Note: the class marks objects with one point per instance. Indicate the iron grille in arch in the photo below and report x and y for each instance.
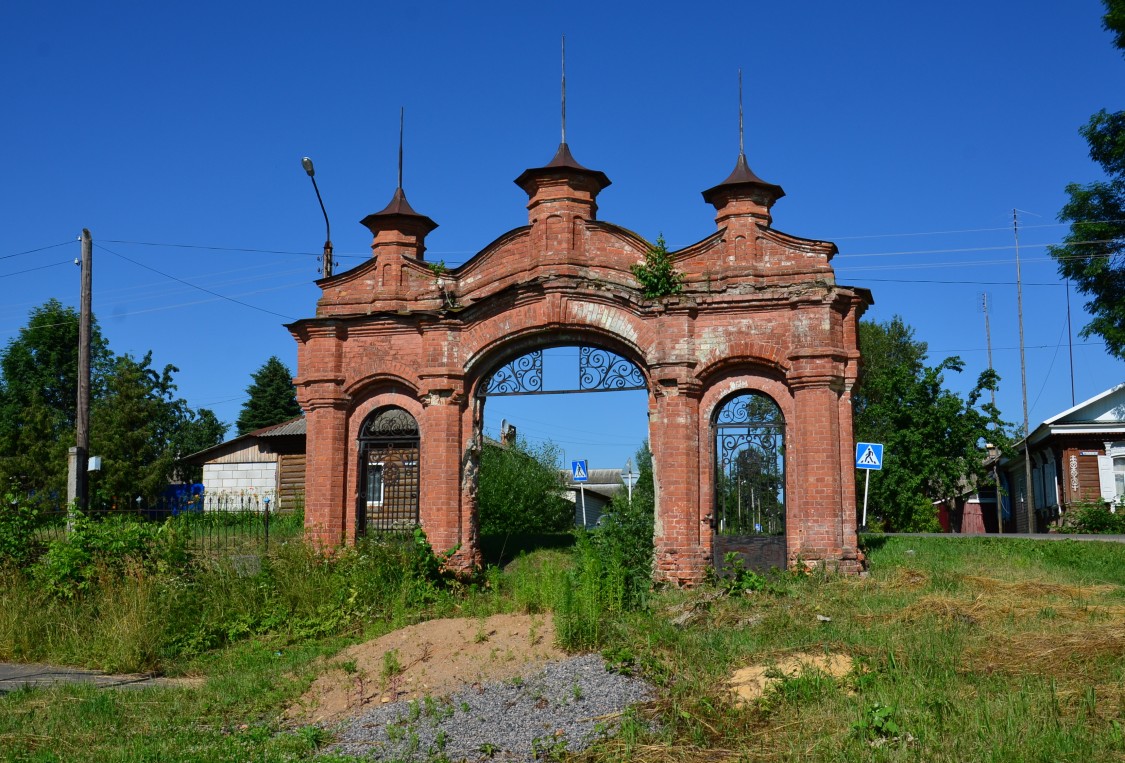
(750, 466)
(598, 371)
(389, 473)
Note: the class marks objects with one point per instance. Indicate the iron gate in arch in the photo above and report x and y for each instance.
(388, 473)
(749, 514)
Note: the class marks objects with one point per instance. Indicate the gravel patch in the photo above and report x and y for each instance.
(566, 706)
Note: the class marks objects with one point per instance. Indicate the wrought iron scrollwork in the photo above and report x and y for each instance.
(600, 370)
(522, 376)
(389, 423)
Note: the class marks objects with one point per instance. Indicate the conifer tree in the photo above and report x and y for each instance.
(272, 397)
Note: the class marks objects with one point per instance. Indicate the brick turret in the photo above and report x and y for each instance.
(398, 229)
(563, 187)
(743, 197)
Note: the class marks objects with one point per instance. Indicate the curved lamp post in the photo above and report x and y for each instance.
(326, 266)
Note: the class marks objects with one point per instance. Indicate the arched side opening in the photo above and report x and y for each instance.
(749, 489)
(388, 472)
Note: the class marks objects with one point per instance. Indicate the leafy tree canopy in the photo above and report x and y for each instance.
(137, 424)
(1093, 255)
(272, 397)
(933, 438)
(520, 490)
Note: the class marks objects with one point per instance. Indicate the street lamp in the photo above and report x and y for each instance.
(326, 267)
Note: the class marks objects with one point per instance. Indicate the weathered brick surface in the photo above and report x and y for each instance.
(760, 310)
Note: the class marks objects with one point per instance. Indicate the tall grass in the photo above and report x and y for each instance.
(145, 618)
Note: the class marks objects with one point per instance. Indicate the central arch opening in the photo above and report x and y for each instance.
(548, 405)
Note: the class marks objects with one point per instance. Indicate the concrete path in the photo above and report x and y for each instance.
(15, 675)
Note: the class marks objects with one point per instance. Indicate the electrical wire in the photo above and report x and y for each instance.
(212, 248)
(194, 286)
(33, 251)
(41, 267)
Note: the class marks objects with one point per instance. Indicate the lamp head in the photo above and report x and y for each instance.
(306, 162)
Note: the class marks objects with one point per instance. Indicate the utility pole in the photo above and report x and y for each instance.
(78, 482)
(995, 474)
(1029, 492)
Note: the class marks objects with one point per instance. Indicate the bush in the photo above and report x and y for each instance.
(1094, 517)
(104, 548)
(19, 521)
(520, 490)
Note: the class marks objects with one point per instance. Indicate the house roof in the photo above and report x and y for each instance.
(294, 427)
(1103, 413)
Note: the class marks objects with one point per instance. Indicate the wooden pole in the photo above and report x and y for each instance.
(82, 420)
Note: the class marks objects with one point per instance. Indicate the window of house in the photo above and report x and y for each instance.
(1119, 476)
(375, 484)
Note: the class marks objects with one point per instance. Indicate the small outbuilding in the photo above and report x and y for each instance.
(268, 463)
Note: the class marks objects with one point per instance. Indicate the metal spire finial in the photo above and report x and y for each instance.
(741, 145)
(564, 88)
(401, 110)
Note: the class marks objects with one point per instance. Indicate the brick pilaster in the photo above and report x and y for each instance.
(440, 455)
(681, 557)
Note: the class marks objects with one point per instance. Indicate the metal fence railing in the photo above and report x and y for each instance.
(223, 525)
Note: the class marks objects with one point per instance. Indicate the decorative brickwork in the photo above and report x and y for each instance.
(760, 310)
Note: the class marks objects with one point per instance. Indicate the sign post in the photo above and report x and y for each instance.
(868, 456)
(580, 474)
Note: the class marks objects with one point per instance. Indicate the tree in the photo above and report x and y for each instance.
(38, 397)
(200, 430)
(272, 397)
(520, 490)
(1093, 255)
(933, 437)
(137, 424)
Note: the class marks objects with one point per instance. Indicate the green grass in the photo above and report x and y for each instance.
(982, 650)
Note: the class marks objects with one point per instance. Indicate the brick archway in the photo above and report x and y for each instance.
(759, 310)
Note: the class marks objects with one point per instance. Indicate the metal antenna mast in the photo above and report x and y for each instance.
(1070, 343)
(401, 111)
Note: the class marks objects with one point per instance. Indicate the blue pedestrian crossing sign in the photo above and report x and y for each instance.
(868, 455)
(579, 472)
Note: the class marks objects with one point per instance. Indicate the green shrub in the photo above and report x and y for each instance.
(19, 521)
(100, 548)
(1094, 517)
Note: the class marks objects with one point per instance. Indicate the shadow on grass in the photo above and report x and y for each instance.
(500, 549)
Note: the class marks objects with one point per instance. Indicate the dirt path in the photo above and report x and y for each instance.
(18, 675)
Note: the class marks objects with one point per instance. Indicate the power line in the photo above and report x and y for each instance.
(194, 286)
(33, 251)
(41, 267)
(970, 230)
(210, 248)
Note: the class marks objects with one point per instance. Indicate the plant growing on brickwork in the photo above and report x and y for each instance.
(657, 276)
(437, 268)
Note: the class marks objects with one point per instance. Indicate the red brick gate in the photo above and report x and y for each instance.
(760, 311)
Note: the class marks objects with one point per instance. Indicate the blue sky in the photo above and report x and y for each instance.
(904, 132)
